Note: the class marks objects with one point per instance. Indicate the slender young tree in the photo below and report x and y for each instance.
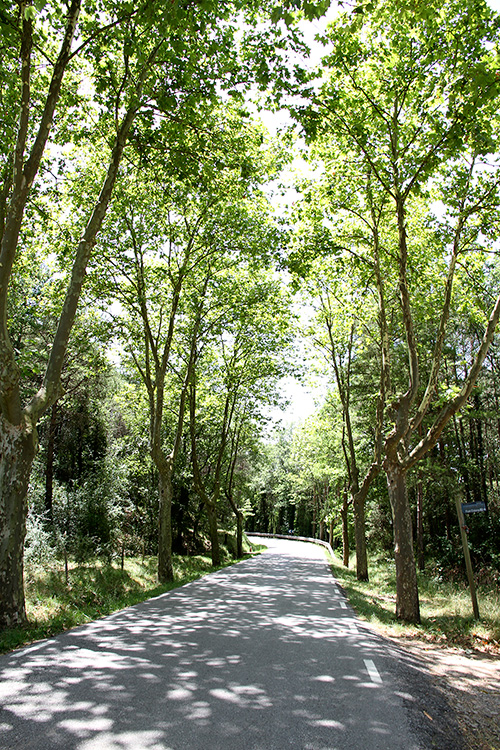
(339, 231)
(242, 353)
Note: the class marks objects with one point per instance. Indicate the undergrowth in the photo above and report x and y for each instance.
(445, 607)
(92, 591)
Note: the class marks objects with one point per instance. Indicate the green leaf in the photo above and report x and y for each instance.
(276, 14)
(29, 13)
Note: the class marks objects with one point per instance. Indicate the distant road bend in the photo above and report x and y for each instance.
(264, 655)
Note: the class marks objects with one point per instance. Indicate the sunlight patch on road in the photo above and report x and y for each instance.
(329, 723)
(85, 726)
(126, 741)
(247, 696)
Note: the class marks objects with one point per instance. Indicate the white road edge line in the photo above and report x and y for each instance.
(373, 671)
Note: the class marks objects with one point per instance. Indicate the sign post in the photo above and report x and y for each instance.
(465, 545)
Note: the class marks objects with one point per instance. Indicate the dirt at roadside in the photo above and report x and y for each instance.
(470, 684)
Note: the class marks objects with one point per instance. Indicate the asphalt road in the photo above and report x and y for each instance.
(263, 655)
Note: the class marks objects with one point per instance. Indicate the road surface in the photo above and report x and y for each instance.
(264, 655)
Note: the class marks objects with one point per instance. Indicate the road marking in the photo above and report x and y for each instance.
(372, 671)
(343, 605)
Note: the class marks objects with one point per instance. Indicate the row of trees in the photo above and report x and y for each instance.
(302, 486)
(95, 479)
(92, 88)
(397, 238)
(129, 160)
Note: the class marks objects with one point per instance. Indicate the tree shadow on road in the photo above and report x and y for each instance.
(263, 655)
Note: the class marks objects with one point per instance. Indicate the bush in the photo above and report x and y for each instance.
(38, 541)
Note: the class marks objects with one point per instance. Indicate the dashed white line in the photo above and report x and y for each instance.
(343, 605)
(373, 671)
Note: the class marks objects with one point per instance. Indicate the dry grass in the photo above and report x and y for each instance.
(445, 608)
(92, 591)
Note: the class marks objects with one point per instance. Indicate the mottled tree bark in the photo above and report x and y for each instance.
(239, 534)
(360, 538)
(17, 447)
(165, 564)
(407, 603)
(345, 532)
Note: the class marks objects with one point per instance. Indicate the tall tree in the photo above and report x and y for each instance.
(168, 243)
(412, 91)
(155, 60)
(241, 354)
(343, 331)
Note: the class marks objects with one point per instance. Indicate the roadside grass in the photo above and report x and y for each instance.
(92, 591)
(445, 608)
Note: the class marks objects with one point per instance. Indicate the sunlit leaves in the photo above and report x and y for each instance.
(410, 87)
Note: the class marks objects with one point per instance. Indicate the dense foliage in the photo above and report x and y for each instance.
(147, 282)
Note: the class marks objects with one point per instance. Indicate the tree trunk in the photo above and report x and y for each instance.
(49, 467)
(239, 523)
(360, 538)
(214, 533)
(165, 566)
(239, 535)
(407, 605)
(345, 532)
(17, 450)
(420, 525)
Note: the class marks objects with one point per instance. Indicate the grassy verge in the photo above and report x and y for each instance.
(445, 608)
(92, 591)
